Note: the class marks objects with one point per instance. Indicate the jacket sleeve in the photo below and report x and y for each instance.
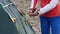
(48, 7)
(34, 3)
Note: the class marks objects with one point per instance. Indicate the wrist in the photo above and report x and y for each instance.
(32, 9)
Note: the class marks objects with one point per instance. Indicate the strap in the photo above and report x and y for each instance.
(7, 5)
(12, 18)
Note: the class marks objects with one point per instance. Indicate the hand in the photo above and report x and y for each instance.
(35, 13)
(31, 11)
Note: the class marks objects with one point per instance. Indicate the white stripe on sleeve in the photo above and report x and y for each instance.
(48, 7)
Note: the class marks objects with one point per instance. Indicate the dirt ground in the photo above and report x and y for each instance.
(23, 5)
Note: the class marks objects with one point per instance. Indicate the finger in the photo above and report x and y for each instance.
(30, 11)
(35, 13)
(30, 14)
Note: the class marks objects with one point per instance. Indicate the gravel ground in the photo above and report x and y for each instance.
(23, 5)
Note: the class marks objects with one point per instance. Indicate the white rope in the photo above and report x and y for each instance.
(7, 5)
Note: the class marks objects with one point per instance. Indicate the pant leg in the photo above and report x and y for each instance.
(45, 26)
(55, 24)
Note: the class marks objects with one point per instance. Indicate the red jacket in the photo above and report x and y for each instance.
(52, 13)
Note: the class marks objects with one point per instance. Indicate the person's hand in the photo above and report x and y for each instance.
(31, 11)
(35, 13)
